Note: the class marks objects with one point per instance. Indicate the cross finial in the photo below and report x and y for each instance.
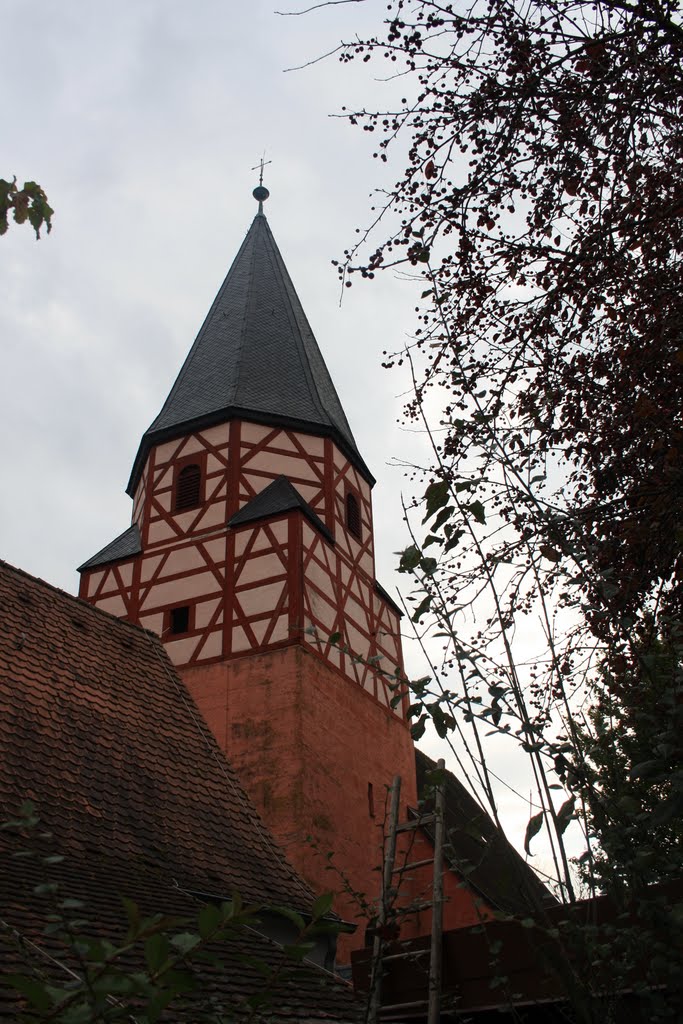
(260, 192)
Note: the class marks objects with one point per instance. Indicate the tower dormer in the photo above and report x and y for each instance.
(251, 553)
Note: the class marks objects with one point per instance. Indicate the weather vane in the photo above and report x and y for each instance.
(260, 192)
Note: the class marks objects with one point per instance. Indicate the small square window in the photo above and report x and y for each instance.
(179, 619)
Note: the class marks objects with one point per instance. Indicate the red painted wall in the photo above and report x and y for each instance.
(306, 742)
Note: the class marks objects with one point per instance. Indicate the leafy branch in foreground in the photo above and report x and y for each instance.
(539, 198)
(26, 204)
(76, 972)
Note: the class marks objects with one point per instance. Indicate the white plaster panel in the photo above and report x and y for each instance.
(213, 647)
(275, 464)
(110, 582)
(260, 568)
(254, 432)
(259, 599)
(261, 542)
(182, 560)
(309, 536)
(154, 622)
(366, 563)
(214, 515)
(115, 605)
(165, 451)
(335, 657)
(160, 531)
(192, 444)
(126, 573)
(259, 629)
(218, 435)
(309, 493)
(338, 459)
(240, 641)
(149, 566)
(215, 549)
(345, 573)
(281, 630)
(181, 591)
(312, 445)
(319, 576)
(203, 612)
(280, 530)
(284, 442)
(358, 643)
(164, 500)
(214, 464)
(163, 477)
(94, 581)
(322, 611)
(356, 612)
(184, 520)
(180, 651)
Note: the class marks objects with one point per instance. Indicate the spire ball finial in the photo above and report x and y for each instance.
(260, 193)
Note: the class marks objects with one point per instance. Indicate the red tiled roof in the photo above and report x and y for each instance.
(99, 732)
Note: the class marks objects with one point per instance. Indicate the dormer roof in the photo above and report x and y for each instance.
(255, 358)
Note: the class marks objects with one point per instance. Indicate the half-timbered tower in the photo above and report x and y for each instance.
(251, 553)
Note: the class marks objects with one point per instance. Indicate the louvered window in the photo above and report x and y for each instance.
(188, 486)
(353, 521)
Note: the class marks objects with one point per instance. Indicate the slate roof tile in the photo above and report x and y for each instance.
(126, 545)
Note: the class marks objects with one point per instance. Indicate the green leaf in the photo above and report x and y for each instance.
(477, 510)
(209, 920)
(565, 814)
(533, 828)
(417, 729)
(292, 916)
(435, 496)
(335, 638)
(453, 539)
(32, 989)
(422, 608)
(157, 950)
(444, 515)
(410, 559)
(185, 942)
(322, 905)
(428, 566)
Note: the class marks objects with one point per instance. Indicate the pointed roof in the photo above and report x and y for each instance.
(255, 358)
(126, 545)
(278, 497)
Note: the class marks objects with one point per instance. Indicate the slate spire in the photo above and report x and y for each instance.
(255, 358)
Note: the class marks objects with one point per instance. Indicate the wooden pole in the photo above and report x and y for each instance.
(375, 998)
(434, 1009)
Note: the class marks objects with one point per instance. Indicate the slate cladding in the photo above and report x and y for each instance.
(99, 732)
(255, 358)
(478, 850)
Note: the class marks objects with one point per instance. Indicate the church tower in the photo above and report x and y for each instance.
(251, 553)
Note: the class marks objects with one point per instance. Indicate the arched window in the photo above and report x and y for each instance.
(187, 487)
(353, 520)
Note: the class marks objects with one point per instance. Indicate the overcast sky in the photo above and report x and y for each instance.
(142, 120)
